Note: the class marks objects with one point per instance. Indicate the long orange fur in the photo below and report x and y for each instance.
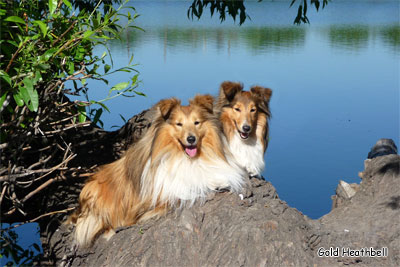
(117, 195)
(235, 108)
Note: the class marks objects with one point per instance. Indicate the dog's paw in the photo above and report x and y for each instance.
(255, 175)
(222, 189)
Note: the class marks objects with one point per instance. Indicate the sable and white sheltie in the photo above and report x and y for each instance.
(180, 159)
(244, 116)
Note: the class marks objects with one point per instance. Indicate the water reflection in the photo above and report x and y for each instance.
(391, 37)
(255, 38)
(262, 39)
(349, 37)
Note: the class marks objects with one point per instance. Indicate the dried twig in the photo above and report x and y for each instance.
(3, 192)
(14, 56)
(83, 124)
(40, 162)
(64, 33)
(41, 187)
(62, 120)
(37, 218)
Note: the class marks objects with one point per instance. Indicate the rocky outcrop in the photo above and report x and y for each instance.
(371, 218)
(256, 228)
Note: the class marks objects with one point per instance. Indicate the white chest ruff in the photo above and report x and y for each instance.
(248, 153)
(187, 179)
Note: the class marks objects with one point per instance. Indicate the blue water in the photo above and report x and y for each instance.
(335, 82)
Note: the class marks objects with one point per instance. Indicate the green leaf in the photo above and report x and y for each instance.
(119, 87)
(15, 19)
(122, 117)
(97, 115)
(18, 98)
(96, 20)
(13, 43)
(71, 67)
(103, 37)
(52, 6)
(130, 60)
(3, 98)
(29, 95)
(38, 77)
(68, 4)
(106, 68)
(5, 77)
(24, 95)
(101, 104)
(44, 66)
(42, 26)
(134, 79)
(82, 113)
(139, 93)
(36, 246)
(28, 84)
(48, 54)
(34, 100)
(87, 34)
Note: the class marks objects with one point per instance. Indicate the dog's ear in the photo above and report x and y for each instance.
(229, 90)
(204, 101)
(167, 105)
(263, 95)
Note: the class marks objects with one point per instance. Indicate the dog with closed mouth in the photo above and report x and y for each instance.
(244, 116)
(180, 159)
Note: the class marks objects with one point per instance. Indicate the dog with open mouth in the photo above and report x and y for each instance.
(181, 158)
(244, 116)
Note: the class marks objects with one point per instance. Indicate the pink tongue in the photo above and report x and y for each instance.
(191, 151)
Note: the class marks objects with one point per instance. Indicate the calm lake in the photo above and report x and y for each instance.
(335, 81)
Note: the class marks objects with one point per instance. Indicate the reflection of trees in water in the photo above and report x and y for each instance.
(256, 39)
(349, 37)
(263, 38)
(357, 37)
(391, 37)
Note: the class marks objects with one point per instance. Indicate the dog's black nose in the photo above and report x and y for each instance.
(246, 128)
(191, 139)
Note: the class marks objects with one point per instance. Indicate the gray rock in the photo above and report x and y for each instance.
(257, 229)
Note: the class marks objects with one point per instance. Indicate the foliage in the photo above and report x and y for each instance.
(46, 54)
(236, 8)
(43, 48)
(15, 253)
(302, 9)
(232, 7)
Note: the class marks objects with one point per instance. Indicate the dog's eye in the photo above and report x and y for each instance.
(252, 110)
(237, 109)
(196, 123)
(179, 124)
